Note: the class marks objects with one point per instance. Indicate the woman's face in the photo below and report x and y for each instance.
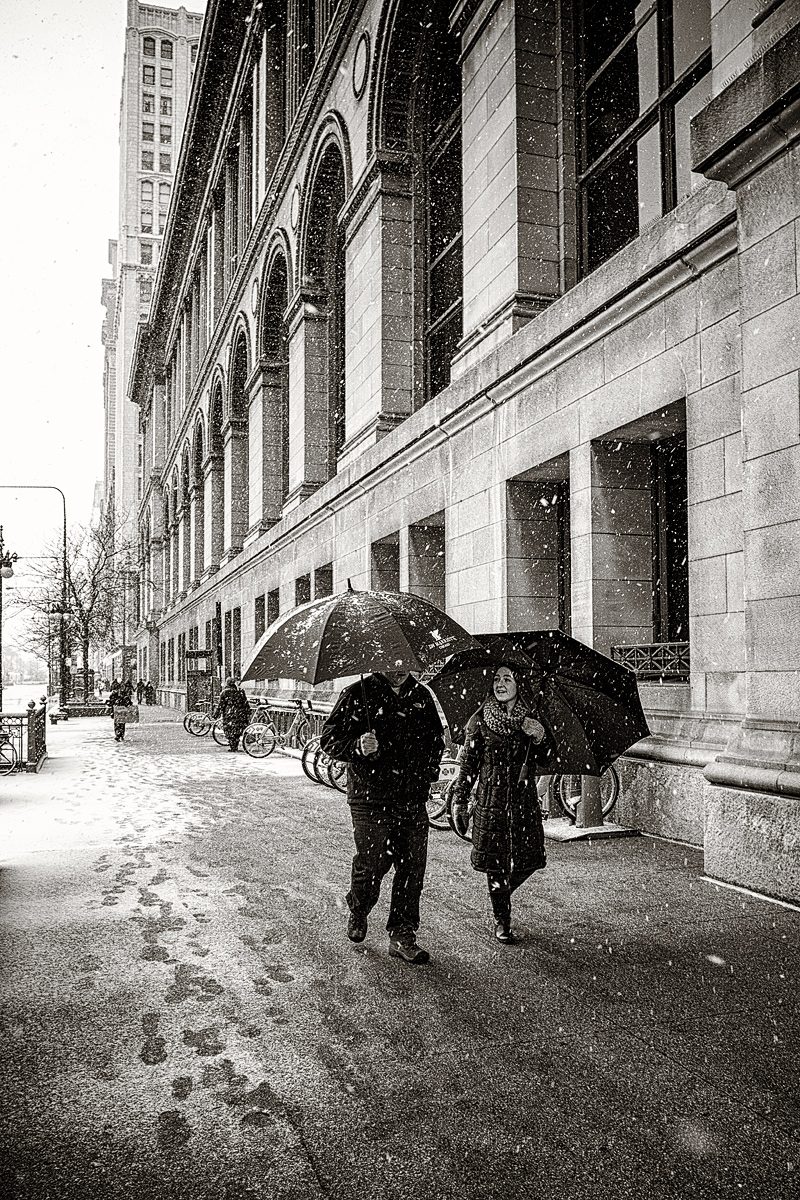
(505, 685)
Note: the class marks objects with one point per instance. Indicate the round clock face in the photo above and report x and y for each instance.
(294, 214)
(361, 64)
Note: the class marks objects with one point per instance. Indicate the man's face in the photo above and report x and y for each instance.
(396, 678)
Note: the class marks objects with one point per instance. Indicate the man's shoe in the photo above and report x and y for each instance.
(404, 945)
(502, 931)
(356, 928)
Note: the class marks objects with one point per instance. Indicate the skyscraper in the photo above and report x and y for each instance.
(160, 50)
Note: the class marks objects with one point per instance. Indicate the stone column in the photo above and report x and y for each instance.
(234, 436)
(186, 542)
(380, 358)
(197, 507)
(213, 504)
(748, 138)
(309, 421)
(611, 540)
(268, 443)
(512, 236)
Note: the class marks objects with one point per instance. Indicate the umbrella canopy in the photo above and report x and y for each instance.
(356, 632)
(588, 704)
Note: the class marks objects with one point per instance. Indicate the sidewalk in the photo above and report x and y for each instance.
(186, 1018)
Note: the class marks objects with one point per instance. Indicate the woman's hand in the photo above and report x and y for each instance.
(533, 728)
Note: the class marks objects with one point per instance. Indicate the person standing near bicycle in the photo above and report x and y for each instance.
(234, 709)
(386, 728)
(507, 831)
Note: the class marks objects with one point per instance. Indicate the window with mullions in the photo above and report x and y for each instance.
(644, 72)
(444, 258)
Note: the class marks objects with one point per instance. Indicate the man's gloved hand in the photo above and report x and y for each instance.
(460, 818)
(368, 743)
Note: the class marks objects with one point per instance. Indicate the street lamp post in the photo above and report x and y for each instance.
(62, 652)
(6, 571)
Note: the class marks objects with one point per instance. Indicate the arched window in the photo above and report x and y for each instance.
(149, 47)
(421, 116)
(215, 493)
(166, 48)
(325, 275)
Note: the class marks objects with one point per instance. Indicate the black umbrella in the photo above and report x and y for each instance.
(356, 632)
(588, 704)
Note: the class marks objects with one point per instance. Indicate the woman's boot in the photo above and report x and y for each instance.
(501, 907)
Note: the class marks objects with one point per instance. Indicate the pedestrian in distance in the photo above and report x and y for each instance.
(121, 696)
(234, 709)
(149, 693)
(507, 830)
(139, 691)
(388, 731)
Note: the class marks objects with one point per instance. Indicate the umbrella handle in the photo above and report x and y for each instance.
(366, 705)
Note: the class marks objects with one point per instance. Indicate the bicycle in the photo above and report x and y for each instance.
(439, 790)
(8, 755)
(198, 722)
(262, 736)
(565, 790)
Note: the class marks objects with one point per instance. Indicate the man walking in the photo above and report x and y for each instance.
(235, 712)
(386, 728)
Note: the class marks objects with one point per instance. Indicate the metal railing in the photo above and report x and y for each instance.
(655, 660)
(27, 733)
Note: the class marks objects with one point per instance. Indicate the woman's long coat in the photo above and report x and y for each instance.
(507, 831)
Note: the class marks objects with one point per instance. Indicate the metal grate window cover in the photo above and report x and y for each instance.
(655, 660)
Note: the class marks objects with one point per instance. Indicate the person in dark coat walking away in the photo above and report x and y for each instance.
(235, 712)
(507, 831)
(149, 693)
(386, 728)
(120, 697)
(139, 691)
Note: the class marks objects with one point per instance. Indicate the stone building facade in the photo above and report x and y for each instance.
(493, 301)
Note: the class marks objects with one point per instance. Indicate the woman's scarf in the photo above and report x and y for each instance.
(499, 720)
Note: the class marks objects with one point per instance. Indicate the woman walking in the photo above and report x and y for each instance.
(507, 831)
(121, 697)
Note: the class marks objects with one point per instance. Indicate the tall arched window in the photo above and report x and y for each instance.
(421, 116)
(215, 482)
(237, 449)
(325, 274)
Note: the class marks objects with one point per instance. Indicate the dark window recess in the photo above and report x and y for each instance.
(227, 653)
(149, 47)
(643, 73)
(148, 102)
(166, 49)
(670, 540)
(323, 581)
(148, 74)
(302, 589)
(260, 616)
(147, 160)
(166, 106)
(146, 253)
(148, 131)
(273, 605)
(165, 162)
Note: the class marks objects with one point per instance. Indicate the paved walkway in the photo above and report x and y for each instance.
(183, 1016)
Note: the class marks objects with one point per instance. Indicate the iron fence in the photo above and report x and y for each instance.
(27, 733)
(655, 660)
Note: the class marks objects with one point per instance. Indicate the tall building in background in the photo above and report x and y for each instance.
(160, 50)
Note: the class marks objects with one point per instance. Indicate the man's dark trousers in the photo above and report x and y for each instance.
(384, 838)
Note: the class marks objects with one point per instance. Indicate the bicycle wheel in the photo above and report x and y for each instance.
(337, 773)
(307, 759)
(321, 763)
(8, 758)
(218, 733)
(437, 809)
(197, 723)
(567, 792)
(259, 740)
(303, 734)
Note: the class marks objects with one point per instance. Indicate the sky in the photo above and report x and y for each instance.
(60, 82)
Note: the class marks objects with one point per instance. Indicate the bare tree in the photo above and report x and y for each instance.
(97, 562)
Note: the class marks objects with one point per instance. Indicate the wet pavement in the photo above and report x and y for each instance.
(183, 1016)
